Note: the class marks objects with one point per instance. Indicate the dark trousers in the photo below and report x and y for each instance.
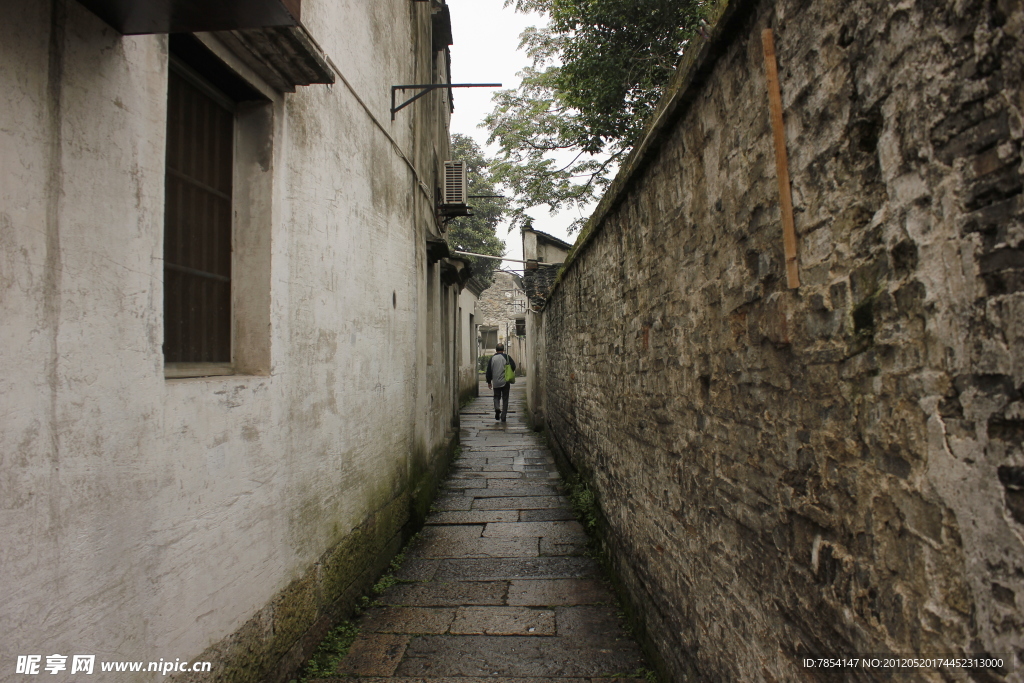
(501, 399)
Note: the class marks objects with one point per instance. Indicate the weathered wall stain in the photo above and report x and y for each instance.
(833, 469)
(227, 518)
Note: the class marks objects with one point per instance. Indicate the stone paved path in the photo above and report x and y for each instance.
(496, 587)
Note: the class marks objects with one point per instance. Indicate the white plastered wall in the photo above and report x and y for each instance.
(468, 381)
(146, 518)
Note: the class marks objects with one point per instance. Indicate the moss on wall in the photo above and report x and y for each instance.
(274, 643)
(786, 473)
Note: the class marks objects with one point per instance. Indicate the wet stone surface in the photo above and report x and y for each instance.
(496, 587)
(519, 568)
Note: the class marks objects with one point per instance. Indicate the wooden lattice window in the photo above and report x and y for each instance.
(197, 221)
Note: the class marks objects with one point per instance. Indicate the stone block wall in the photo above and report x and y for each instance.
(835, 469)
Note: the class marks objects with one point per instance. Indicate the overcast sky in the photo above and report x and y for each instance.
(485, 50)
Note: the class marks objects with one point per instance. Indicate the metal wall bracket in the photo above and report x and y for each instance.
(427, 87)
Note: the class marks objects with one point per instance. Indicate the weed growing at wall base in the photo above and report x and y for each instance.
(335, 645)
(588, 512)
(332, 649)
(584, 503)
(647, 675)
(388, 580)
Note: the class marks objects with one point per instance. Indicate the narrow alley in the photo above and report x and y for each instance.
(769, 323)
(497, 584)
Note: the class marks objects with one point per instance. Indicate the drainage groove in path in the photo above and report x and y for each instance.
(496, 585)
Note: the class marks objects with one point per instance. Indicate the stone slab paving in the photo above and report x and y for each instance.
(496, 587)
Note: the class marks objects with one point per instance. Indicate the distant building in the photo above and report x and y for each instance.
(469, 344)
(503, 307)
(544, 255)
(544, 248)
(549, 252)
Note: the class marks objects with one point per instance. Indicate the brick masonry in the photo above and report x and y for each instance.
(537, 283)
(835, 469)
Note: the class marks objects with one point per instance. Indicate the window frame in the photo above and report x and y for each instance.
(214, 328)
(255, 123)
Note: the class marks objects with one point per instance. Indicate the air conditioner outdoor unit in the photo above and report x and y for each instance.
(455, 188)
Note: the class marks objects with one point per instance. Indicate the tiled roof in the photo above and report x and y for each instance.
(537, 283)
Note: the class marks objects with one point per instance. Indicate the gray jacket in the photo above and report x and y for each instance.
(496, 369)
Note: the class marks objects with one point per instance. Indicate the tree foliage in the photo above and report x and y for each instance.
(598, 70)
(477, 233)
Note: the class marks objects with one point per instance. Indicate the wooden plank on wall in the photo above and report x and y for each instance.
(781, 159)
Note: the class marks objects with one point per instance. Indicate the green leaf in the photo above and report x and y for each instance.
(478, 233)
(598, 70)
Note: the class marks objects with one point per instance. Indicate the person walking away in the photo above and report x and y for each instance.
(496, 376)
